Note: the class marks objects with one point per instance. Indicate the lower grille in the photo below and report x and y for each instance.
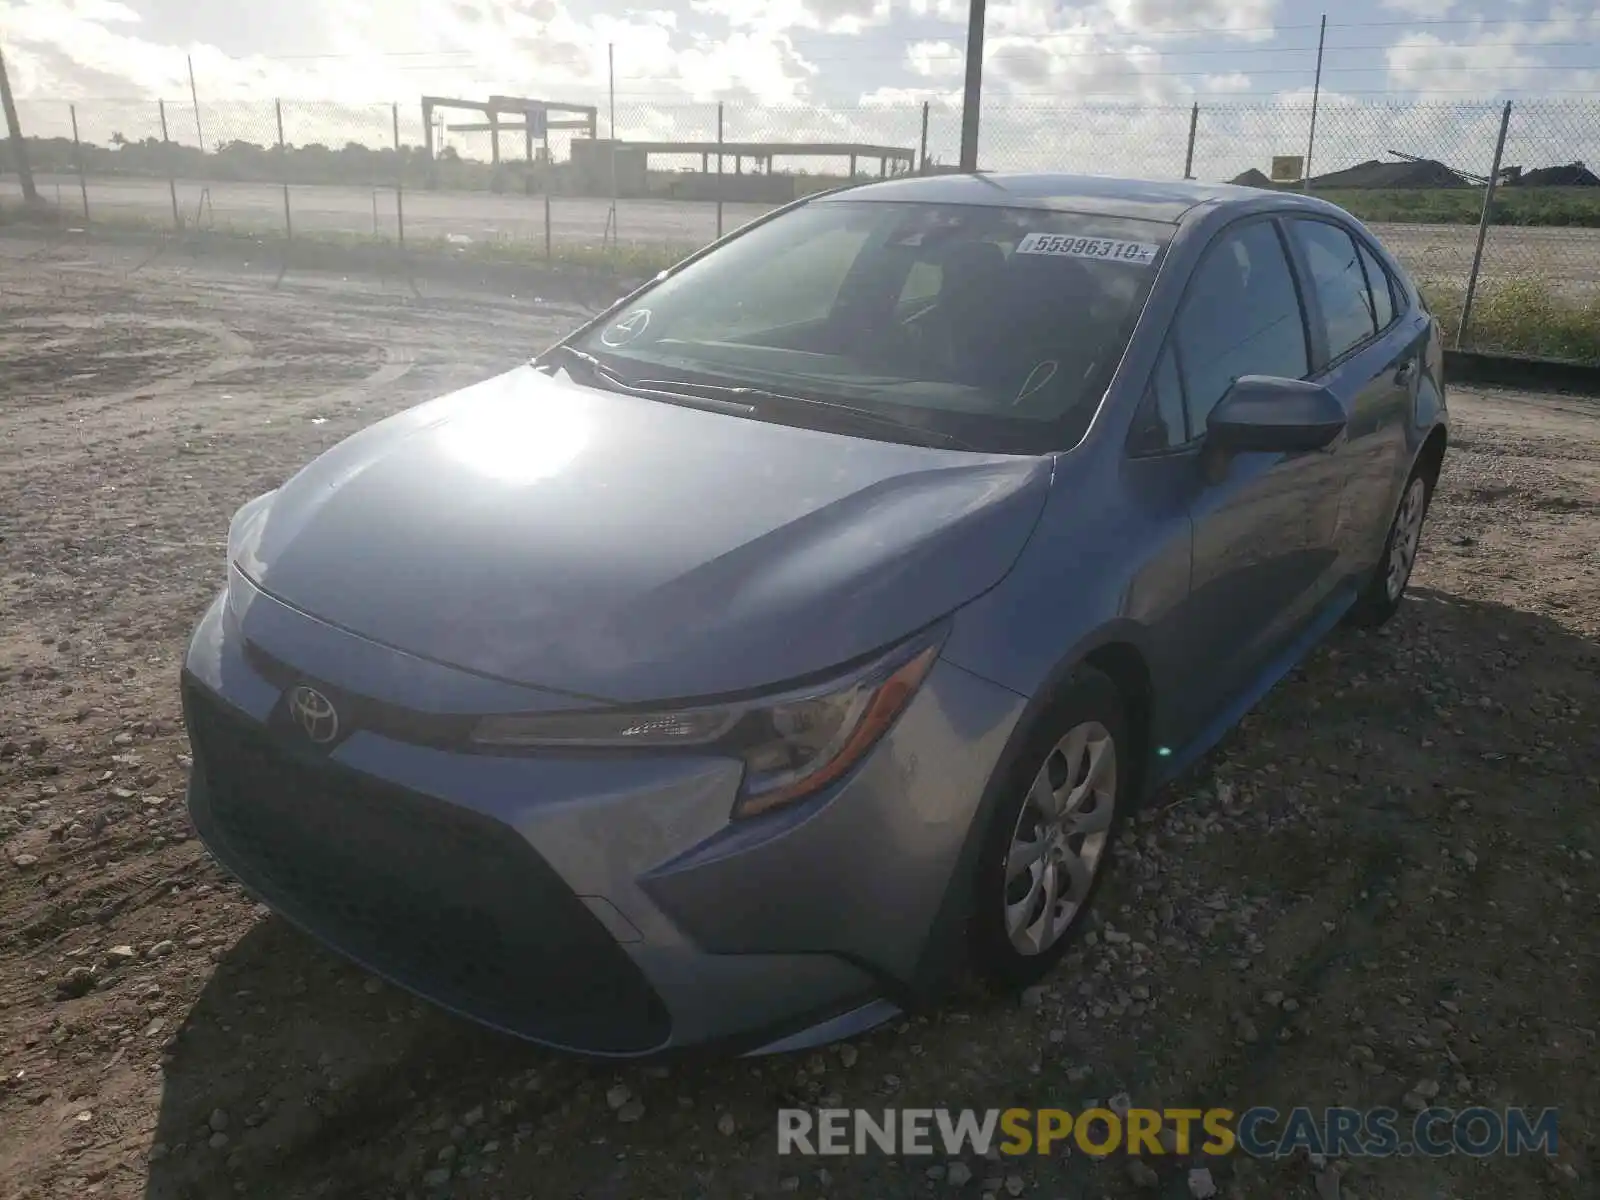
(448, 902)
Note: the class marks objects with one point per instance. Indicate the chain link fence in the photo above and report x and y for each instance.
(676, 177)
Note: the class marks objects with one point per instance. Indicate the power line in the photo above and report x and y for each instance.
(1004, 53)
(1429, 22)
(1085, 31)
(1064, 102)
(1384, 70)
(1229, 51)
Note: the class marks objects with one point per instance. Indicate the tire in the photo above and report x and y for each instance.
(1084, 730)
(1381, 597)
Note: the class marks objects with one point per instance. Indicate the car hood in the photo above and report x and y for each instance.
(629, 550)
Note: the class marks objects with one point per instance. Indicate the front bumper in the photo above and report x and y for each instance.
(595, 904)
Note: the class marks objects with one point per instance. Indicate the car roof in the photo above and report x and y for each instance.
(1102, 195)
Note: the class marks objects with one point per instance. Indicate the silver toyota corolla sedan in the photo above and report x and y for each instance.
(793, 636)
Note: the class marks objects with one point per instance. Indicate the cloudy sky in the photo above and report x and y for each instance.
(843, 54)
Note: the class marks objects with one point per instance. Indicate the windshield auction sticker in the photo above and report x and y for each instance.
(625, 330)
(1106, 249)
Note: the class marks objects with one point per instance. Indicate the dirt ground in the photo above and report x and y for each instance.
(1565, 259)
(1384, 882)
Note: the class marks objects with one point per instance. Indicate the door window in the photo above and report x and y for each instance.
(1339, 283)
(1241, 316)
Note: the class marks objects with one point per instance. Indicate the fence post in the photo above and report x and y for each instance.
(1483, 226)
(172, 179)
(399, 182)
(283, 167)
(923, 159)
(719, 168)
(1188, 158)
(77, 157)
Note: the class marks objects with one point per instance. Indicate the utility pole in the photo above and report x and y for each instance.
(19, 148)
(194, 95)
(611, 89)
(973, 96)
(1316, 94)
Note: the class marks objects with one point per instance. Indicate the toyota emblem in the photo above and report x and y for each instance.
(314, 714)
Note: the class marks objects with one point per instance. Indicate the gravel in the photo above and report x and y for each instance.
(1378, 887)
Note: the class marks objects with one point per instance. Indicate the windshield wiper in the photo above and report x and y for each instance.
(594, 365)
(849, 412)
(741, 400)
(650, 389)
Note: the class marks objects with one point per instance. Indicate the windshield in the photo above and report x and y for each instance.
(994, 328)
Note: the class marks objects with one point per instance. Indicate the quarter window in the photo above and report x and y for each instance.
(1241, 316)
(1382, 289)
(1339, 283)
(1160, 423)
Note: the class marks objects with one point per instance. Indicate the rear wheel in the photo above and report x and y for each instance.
(1380, 599)
(1049, 838)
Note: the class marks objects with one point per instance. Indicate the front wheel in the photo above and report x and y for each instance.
(1050, 836)
(1380, 599)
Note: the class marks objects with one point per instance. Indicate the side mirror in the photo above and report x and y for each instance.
(1265, 414)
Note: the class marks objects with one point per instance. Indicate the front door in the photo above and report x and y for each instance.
(1264, 525)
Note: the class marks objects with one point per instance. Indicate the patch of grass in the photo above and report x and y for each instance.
(1576, 206)
(634, 260)
(40, 212)
(625, 258)
(1520, 317)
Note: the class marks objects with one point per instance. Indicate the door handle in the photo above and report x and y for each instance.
(1402, 376)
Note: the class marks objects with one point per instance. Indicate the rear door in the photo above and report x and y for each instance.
(1263, 532)
(1364, 357)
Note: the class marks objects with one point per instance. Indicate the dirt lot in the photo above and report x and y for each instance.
(1563, 258)
(1384, 882)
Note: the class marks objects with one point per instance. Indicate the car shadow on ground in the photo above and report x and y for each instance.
(295, 1073)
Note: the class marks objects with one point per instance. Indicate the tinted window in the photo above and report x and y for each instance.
(798, 283)
(1160, 423)
(1382, 289)
(1241, 316)
(1339, 283)
(996, 326)
(923, 284)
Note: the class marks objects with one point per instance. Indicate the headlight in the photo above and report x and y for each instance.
(792, 745)
(246, 524)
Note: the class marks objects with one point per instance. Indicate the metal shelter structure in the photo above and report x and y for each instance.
(535, 120)
(893, 160)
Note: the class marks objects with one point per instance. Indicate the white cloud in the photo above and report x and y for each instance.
(1234, 81)
(953, 11)
(1422, 8)
(1425, 62)
(1048, 73)
(1492, 60)
(1078, 64)
(936, 60)
(1250, 20)
(824, 16)
(71, 49)
(104, 10)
